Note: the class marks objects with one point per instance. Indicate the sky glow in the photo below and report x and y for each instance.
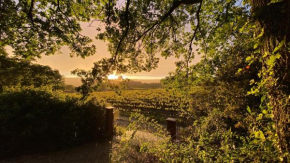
(65, 64)
(112, 77)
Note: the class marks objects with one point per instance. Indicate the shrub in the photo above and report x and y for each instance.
(38, 120)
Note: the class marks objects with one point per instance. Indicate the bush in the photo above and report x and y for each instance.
(219, 128)
(38, 120)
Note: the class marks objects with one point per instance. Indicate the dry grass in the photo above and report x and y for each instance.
(127, 148)
(141, 136)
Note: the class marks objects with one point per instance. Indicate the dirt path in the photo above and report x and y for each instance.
(88, 153)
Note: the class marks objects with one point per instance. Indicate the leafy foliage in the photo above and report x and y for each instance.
(35, 27)
(17, 73)
(38, 120)
(219, 129)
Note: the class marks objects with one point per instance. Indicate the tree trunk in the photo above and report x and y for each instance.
(274, 19)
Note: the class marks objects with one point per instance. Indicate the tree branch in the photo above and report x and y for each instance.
(67, 18)
(125, 32)
(168, 13)
(192, 38)
(196, 28)
(29, 14)
(109, 12)
(175, 5)
(222, 23)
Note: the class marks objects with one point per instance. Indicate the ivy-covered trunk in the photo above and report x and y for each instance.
(272, 19)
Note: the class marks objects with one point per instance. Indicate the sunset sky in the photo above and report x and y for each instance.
(65, 64)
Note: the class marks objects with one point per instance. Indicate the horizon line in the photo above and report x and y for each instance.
(128, 77)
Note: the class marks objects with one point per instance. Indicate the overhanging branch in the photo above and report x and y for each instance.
(125, 32)
(29, 14)
(67, 18)
(196, 28)
(175, 5)
(192, 38)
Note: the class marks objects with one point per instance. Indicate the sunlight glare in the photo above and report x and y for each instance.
(112, 77)
(124, 77)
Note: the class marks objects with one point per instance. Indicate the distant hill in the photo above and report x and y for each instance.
(73, 81)
(147, 80)
(134, 83)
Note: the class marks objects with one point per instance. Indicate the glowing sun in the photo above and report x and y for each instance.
(114, 77)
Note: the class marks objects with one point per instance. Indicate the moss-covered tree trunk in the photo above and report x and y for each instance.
(274, 19)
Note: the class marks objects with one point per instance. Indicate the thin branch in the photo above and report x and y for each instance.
(205, 52)
(222, 23)
(194, 34)
(109, 12)
(204, 42)
(168, 13)
(153, 27)
(173, 20)
(29, 14)
(192, 38)
(125, 32)
(96, 19)
(196, 28)
(90, 25)
(67, 18)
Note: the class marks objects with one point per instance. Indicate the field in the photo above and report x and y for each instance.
(153, 102)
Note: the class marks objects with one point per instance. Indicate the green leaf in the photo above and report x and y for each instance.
(249, 58)
(261, 34)
(274, 1)
(263, 98)
(256, 45)
(244, 26)
(249, 110)
(279, 46)
(271, 60)
(264, 112)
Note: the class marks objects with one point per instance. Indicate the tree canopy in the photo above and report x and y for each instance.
(34, 27)
(17, 73)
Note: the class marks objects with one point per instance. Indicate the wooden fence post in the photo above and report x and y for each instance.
(109, 121)
(171, 127)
